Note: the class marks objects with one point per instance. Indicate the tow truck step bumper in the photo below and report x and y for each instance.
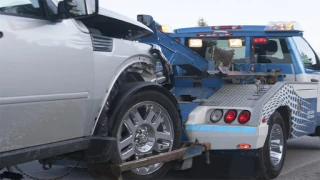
(228, 137)
(183, 156)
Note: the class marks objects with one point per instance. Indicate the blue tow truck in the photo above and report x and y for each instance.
(244, 89)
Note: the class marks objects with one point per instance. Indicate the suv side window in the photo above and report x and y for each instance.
(24, 8)
(308, 56)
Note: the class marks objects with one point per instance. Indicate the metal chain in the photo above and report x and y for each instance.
(57, 178)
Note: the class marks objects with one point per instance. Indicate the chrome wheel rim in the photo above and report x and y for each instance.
(276, 143)
(146, 130)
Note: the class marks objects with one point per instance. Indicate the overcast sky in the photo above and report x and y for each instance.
(185, 13)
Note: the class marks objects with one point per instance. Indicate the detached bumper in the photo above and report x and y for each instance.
(228, 137)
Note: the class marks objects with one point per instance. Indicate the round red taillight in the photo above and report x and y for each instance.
(244, 117)
(230, 116)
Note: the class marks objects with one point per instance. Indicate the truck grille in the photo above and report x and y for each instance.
(102, 43)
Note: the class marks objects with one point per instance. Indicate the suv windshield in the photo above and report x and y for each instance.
(23, 7)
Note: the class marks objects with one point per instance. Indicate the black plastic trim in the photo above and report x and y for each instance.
(50, 150)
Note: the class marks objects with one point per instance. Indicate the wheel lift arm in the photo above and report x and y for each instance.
(187, 152)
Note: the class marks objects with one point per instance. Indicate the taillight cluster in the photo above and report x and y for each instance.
(230, 116)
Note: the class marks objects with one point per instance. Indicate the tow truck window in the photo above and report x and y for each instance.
(308, 56)
(24, 8)
(275, 51)
(214, 47)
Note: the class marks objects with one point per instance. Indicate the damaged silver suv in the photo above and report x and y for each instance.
(76, 84)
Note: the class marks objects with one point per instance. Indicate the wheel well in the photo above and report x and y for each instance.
(129, 89)
(136, 72)
(286, 116)
(140, 72)
(133, 77)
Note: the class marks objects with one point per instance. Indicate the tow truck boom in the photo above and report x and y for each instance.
(177, 54)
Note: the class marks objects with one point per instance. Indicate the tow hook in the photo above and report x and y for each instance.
(205, 148)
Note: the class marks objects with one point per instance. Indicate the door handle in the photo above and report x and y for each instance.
(1, 34)
(314, 80)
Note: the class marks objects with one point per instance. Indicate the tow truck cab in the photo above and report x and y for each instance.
(279, 45)
(255, 48)
(269, 47)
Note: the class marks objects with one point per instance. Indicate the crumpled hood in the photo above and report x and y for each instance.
(112, 14)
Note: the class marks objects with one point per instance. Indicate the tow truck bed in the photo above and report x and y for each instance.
(234, 95)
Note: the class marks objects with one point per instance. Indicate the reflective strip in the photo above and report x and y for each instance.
(231, 129)
(235, 129)
(193, 127)
(249, 129)
(220, 128)
(205, 128)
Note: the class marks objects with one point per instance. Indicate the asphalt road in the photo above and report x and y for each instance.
(302, 163)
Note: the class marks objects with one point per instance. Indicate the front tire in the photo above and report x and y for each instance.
(147, 124)
(273, 153)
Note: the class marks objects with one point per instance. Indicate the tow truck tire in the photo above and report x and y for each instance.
(269, 165)
(159, 101)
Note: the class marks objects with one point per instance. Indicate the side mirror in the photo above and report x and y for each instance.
(71, 8)
(81, 8)
(145, 19)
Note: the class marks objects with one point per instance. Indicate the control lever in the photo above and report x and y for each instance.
(314, 80)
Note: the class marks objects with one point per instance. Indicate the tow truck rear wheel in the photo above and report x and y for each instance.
(273, 153)
(148, 124)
